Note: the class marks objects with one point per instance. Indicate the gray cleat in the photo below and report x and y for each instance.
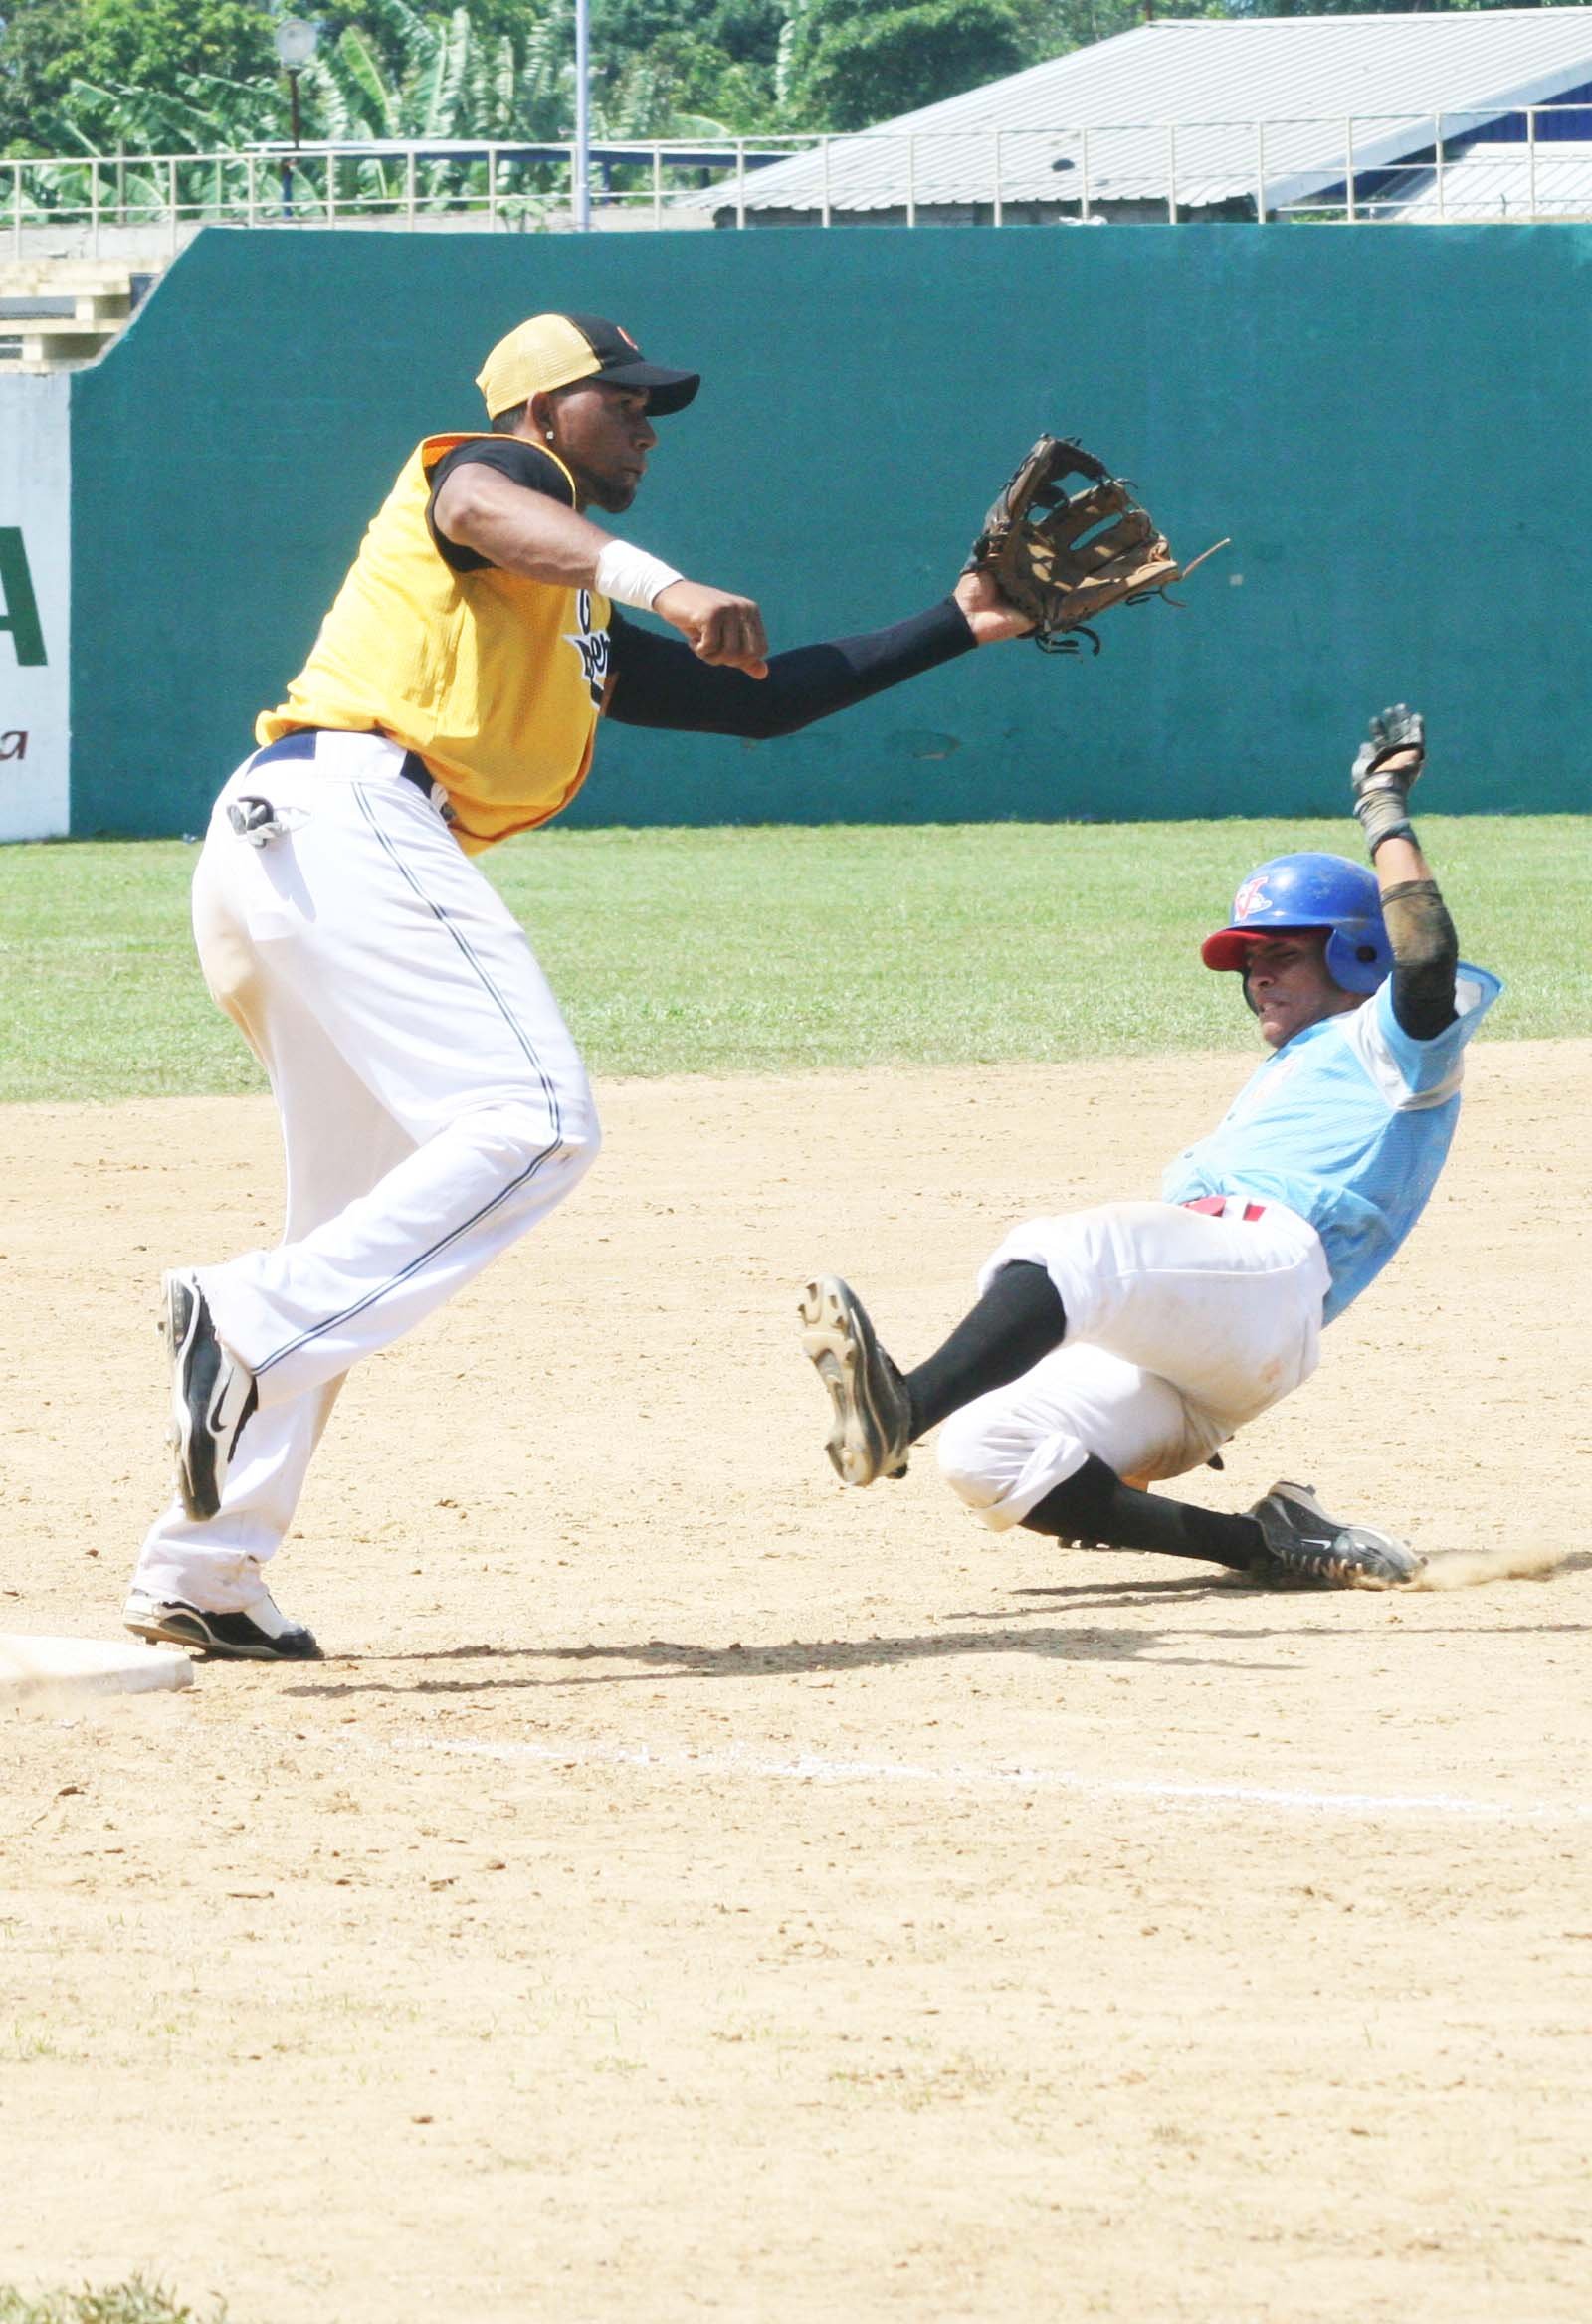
(873, 1430)
(1304, 1544)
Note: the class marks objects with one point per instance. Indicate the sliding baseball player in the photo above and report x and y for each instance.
(1121, 1345)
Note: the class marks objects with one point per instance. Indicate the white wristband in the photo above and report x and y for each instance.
(630, 576)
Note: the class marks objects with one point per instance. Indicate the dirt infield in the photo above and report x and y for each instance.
(689, 1890)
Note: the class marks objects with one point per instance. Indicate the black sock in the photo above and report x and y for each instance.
(1095, 1511)
(1019, 1319)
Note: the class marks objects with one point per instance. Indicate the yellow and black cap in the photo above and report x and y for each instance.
(554, 350)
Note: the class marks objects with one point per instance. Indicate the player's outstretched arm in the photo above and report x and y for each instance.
(523, 531)
(1426, 950)
(655, 685)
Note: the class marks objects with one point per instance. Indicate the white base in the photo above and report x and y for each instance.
(35, 1665)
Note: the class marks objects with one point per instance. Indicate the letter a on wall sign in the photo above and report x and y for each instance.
(19, 607)
(34, 607)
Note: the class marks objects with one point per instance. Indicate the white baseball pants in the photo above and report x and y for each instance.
(433, 1107)
(1180, 1327)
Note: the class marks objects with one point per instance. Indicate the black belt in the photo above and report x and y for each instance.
(300, 743)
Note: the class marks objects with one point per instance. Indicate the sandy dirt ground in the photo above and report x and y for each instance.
(689, 1890)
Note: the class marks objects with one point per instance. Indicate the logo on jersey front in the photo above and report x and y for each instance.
(592, 647)
(1250, 899)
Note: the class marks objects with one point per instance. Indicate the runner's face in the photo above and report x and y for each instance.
(1287, 985)
(603, 436)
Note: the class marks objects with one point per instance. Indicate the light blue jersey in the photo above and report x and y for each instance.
(1348, 1124)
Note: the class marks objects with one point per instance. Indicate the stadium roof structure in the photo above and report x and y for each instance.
(1202, 114)
(1497, 182)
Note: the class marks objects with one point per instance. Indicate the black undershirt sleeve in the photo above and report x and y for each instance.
(522, 463)
(659, 682)
(1426, 953)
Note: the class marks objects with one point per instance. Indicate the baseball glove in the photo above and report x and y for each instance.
(1065, 558)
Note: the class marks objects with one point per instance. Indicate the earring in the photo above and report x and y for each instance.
(547, 432)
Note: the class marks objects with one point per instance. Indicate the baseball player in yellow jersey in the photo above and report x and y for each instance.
(433, 1105)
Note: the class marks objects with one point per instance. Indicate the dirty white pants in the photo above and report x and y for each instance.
(433, 1107)
(1180, 1327)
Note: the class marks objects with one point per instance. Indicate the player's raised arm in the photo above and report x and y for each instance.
(1426, 950)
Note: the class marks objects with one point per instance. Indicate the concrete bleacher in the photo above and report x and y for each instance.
(57, 315)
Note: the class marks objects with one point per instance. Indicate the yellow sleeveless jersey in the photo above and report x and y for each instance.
(494, 680)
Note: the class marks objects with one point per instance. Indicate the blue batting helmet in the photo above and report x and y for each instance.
(1311, 891)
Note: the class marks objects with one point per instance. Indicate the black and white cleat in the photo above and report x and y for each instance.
(211, 1395)
(262, 1635)
(1304, 1545)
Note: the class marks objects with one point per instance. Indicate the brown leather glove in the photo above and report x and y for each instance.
(1065, 558)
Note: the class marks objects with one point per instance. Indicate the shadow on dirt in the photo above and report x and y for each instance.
(655, 1658)
(795, 1657)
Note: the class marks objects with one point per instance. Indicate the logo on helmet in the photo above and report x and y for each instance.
(1250, 899)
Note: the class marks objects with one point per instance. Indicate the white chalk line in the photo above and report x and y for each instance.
(811, 1768)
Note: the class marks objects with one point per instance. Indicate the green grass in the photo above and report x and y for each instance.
(778, 950)
(133, 2302)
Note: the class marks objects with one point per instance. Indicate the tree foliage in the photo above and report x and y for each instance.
(33, 76)
(656, 74)
(404, 74)
(194, 75)
(140, 73)
(843, 66)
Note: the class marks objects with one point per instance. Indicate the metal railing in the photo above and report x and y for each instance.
(488, 186)
(1360, 169)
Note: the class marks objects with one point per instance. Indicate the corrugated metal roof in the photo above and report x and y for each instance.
(1493, 182)
(1204, 84)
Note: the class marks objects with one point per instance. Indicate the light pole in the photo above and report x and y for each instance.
(582, 117)
(295, 43)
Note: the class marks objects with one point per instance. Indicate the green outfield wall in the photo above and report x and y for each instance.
(1391, 424)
